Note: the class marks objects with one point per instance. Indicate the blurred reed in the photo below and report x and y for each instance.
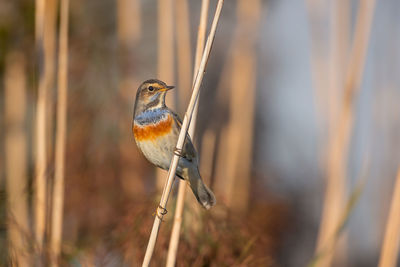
(39, 22)
(161, 210)
(317, 16)
(166, 61)
(390, 245)
(192, 215)
(340, 138)
(45, 34)
(128, 21)
(61, 132)
(221, 137)
(344, 217)
(183, 13)
(18, 230)
(51, 17)
(129, 33)
(337, 56)
(184, 55)
(235, 172)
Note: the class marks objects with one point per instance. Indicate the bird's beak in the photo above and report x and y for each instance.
(167, 88)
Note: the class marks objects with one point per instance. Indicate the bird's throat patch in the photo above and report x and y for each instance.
(150, 132)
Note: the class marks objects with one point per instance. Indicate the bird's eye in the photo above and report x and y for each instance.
(151, 88)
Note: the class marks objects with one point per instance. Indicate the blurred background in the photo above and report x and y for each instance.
(298, 132)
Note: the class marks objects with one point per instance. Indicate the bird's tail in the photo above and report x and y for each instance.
(202, 193)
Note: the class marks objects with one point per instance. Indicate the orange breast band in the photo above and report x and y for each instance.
(152, 131)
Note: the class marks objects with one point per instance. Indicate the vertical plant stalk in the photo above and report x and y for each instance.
(219, 183)
(50, 27)
(319, 61)
(40, 142)
(201, 36)
(184, 61)
(58, 188)
(166, 65)
(45, 26)
(128, 35)
(176, 228)
(16, 157)
(39, 21)
(339, 141)
(350, 204)
(128, 21)
(242, 102)
(185, 125)
(390, 247)
(338, 51)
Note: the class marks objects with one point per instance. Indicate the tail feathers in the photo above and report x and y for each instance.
(202, 193)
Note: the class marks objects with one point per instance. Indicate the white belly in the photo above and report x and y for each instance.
(159, 151)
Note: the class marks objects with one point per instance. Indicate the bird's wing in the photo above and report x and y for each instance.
(189, 152)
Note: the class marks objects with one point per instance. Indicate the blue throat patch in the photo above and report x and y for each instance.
(151, 116)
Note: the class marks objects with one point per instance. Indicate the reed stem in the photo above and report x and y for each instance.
(185, 125)
(174, 241)
(45, 34)
(390, 247)
(339, 141)
(166, 61)
(242, 84)
(58, 189)
(16, 159)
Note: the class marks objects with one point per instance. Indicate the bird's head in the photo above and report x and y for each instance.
(151, 95)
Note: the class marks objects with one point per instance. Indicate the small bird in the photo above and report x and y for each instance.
(156, 129)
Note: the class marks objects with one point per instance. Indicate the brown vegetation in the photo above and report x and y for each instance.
(74, 188)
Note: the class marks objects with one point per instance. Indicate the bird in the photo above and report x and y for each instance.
(156, 129)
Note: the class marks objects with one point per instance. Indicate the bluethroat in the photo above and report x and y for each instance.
(156, 129)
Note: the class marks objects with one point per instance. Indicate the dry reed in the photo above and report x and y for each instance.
(165, 41)
(221, 160)
(174, 240)
(344, 218)
(338, 51)
(16, 159)
(40, 131)
(184, 57)
(58, 187)
(242, 102)
(319, 61)
(45, 25)
(128, 34)
(166, 60)
(129, 21)
(39, 22)
(339, 140)
(390, 247)
(192, 214)
(185, 125)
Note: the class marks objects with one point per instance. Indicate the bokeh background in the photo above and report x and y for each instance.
(298, 131)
